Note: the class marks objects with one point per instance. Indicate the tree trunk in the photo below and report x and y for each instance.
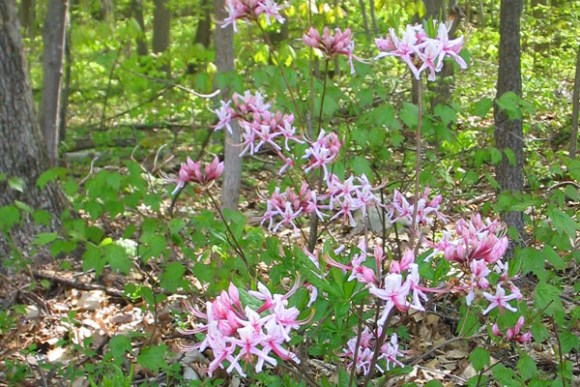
(137, 6)
(203, 33)
(54, 38)
(365, 19)
(224, 60)
(161, 32)
(27, 13)
(575, 109)
(22, 150)
(508, 133)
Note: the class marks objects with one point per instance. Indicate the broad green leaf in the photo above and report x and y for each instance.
(153, 357)
(9, 216)
(118, 258)
(562, 222)
(50, 176)
(553, 257)
(119, 345)
(568, 340)
(409, 114)
(481, 107)
(45, 238)
(479, 358)
(16, 183)
(172, 277)
(548, 298)
(527, 367)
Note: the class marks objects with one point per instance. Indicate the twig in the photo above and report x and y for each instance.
(53, 276)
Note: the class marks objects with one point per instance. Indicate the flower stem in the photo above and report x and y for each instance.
(279, 65)
(418, 157)
(235, 245)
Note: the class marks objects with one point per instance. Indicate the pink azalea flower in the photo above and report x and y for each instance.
(190, 171)
(250, 10)
(500, 300)
(395, 293)
(340, 43)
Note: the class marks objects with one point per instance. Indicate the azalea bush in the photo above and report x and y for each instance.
(367, 284)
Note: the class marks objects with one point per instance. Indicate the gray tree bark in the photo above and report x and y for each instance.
(224, 60)
(509, 133)
(161, 31)
(203, 32)
(137, 6)
(22, 150)
(54, 38)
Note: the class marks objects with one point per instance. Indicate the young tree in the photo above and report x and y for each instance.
(22, 150)
(508, 132)
(54, 38)
(224, 59)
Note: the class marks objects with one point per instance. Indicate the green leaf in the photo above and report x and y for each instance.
(568, 341)
(93, 259)
(562, 222)
(119, 345)
(9, 216)
(495, 155)
(45, 238)
(49, 176)
(469, 322)
(479, 358)
(118, 258)
(361, 165)
(16, 183)
(527, 367)
(481, 107)
(553, 257)
(41, 217)
(153, 357)
(172, 278)
(433, 383)
(548, 297)
(534, 262)
(409, 114)
(505, 376)
(446, 113)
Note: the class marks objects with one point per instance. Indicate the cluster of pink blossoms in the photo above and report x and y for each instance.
(340, 43)
(479, 247)
(400, 289)
(251, 10)
(402, 211)
(389, 352)
(235, 333)
(191, 172)
(419, 51)
(514, 333)
(260, 126)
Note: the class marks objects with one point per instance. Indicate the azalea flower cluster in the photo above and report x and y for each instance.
(400, 288)
(340, 43)
(192, 172)
(260, 126)
(478, 247)
(251, 10)
(389, 352)
(419, 51)
(514, 333)
(427, 209)
(237, 334)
